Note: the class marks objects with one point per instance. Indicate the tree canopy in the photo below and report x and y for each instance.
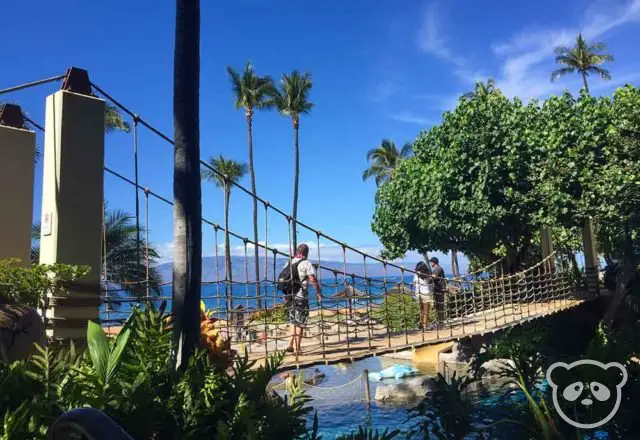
(496, 170)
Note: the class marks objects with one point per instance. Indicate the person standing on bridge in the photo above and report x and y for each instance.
(423, 291)
(438, 289)
(302, 273)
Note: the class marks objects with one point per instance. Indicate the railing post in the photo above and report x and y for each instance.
(591, 264)
(72, 200)
(367, 389)
(17, 161)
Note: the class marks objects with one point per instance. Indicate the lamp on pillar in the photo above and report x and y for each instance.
(72, 199)
(17, 153)
(591, 262)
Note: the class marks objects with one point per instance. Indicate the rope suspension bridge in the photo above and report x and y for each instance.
(367, 306)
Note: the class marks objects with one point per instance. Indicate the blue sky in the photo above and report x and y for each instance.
(381, 69)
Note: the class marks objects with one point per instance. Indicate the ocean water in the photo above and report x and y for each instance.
(244, 294)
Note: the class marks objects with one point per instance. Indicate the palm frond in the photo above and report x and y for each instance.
(559, 73)
(601, 72)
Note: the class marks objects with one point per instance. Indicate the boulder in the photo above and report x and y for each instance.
(20, 328)
(494, 366)
(406, 390)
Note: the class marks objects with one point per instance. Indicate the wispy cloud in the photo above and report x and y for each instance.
(384, 90)
(411, 118)
(527, 57)
(430, 38)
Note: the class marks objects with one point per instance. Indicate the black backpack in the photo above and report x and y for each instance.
(289, 279)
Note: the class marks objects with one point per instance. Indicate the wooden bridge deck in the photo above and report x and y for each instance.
(371, 340)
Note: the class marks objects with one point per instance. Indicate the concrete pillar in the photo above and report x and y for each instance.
(72, 205)
(591, 262)
(17, 154)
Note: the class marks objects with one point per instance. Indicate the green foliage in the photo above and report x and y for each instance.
(446, 411)
(369, 434)
(30, 285)
(495, 170)
(273, 315)
(398, 312)
(292, 97)
(130, 378)
(384, 160)
(227, 169)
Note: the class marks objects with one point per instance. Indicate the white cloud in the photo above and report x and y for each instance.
(383, 91)
(411, 118)
(528, 56)
(430, 39)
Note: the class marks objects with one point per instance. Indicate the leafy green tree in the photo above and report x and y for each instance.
(292, 100)
(583, 58)
(385, 159)
(252, 92)
(226, 172)
(467, 187)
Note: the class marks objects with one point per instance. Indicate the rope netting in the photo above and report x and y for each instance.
(366, 304)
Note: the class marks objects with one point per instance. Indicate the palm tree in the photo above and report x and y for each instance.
(292, 100)
(251, 92)
(223, 172)
(187, 195)
(386, 158)
(482, 89)
(113, 120)
(123, 265)
(582, 58)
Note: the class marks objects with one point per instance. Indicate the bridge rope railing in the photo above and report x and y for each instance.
(357, 313)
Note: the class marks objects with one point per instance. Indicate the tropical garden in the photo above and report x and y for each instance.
(483, 182)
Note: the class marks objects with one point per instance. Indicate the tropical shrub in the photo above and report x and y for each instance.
(30, 285)
(131, 379)
(398, 312)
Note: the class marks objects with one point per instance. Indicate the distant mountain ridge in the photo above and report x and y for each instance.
(242, 270)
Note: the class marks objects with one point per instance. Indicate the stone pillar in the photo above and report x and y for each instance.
(17, 155)
(591, 262)
(72, 205)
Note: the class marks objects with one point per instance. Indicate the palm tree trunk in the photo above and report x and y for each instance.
(455, 259)
(255, 210)
(187, 212)
(227, 249)
(296, 174)
(584, 80)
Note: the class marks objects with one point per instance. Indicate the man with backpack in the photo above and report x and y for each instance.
(294, 282)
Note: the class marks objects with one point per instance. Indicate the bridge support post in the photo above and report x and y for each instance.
(72, 200)
(591, 263)
(546, 243)
(17, 162)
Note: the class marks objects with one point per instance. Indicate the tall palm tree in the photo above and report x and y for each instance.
(583, 58)
(228, 171)
(386, 158)
(292, 100)
(123, 264)
(251, 92)
(483, 88)
(187, 195)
